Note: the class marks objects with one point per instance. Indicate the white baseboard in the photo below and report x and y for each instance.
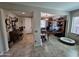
(1, 53)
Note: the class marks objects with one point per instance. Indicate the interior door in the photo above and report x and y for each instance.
(28, 25)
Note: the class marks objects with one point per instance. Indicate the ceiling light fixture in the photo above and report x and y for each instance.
(23, 12)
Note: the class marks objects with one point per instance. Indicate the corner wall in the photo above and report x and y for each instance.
(1, 36)
(4, 33)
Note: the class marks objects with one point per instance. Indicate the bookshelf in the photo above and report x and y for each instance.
(60, 24)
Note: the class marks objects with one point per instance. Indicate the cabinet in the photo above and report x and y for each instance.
(15, 36)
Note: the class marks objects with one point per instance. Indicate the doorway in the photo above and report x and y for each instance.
(52, 24)
(19, 32)
(18, 27)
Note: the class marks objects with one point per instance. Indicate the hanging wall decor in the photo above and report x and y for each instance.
(10, 23)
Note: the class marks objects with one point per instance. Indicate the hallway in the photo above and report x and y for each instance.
(22, 48)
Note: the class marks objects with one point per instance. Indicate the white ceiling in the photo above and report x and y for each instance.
(65, 6)
(23, 13)
(47, 15)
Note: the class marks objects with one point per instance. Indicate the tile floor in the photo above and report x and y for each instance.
(51, 48)
(54, 48)
(22, 48)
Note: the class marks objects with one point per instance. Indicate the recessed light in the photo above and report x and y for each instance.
(23, 12)
(46, 19)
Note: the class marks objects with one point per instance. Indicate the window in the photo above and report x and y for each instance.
(43, 23)
(75, 25)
